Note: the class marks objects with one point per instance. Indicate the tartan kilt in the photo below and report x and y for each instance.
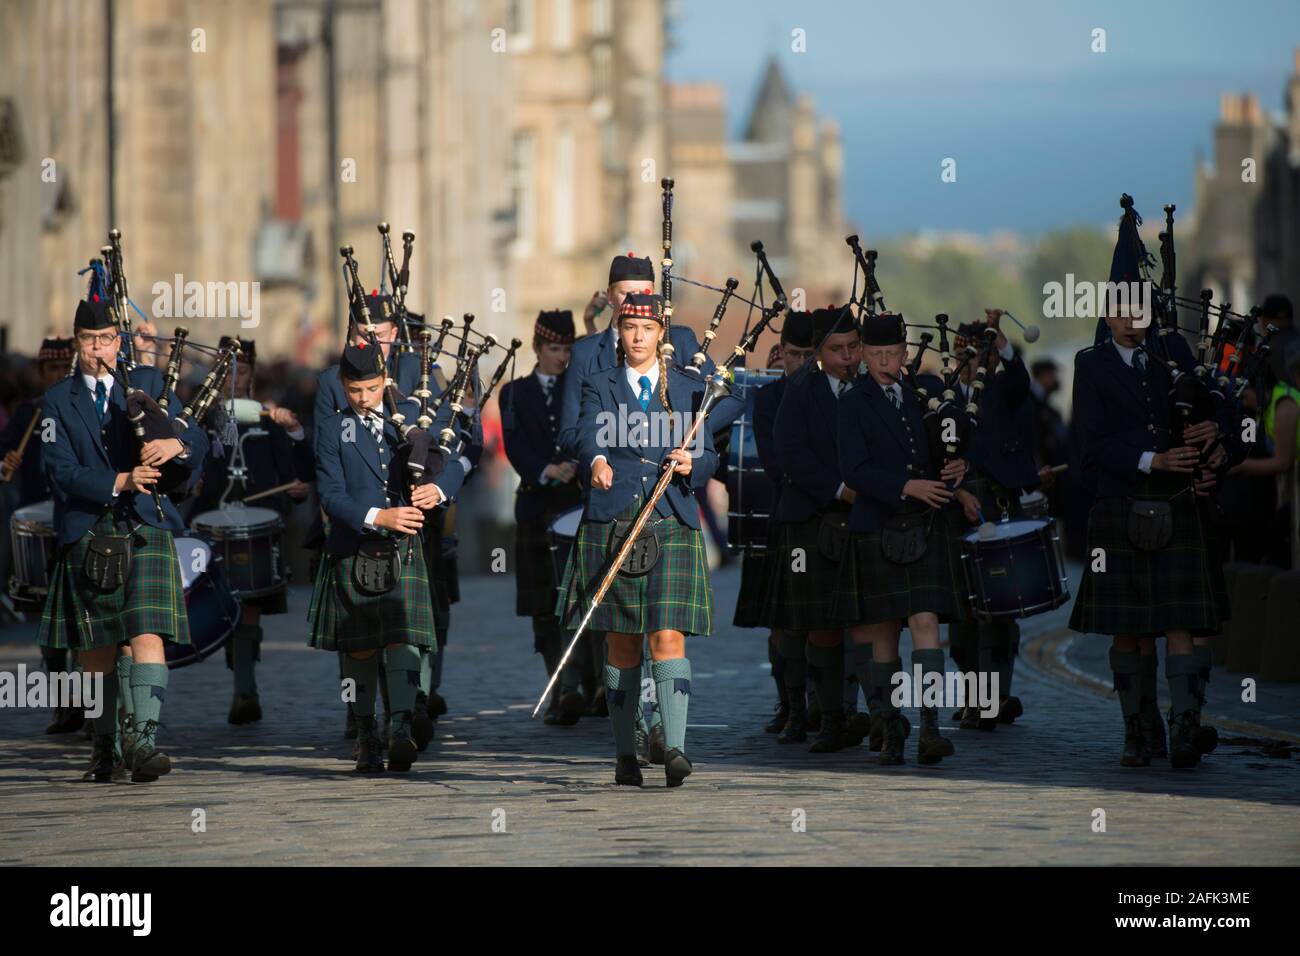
(341, 618)
(150, 601)
(753, 579)
(675, 595)
(798, 600)
(870, 589)
(1179, 587)
(535, 584)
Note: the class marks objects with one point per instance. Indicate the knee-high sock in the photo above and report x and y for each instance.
(826, 668)
(849, 689)
(673, 688)
(656, 718)
(882, 678)
(148, 690)
(623, 697)
(571, 676)
(859, 660)
(1127, 668)
(796, 669)
(930, 662)
(1183, 673)
(995, 654)
(106, 722)
(382, 682)
(1204, 654)
(123, 668)
(246, 650)
(435, 666)
(402, 666)
(1150, 669)
(426, 669)
(365, 676)
(778, 669)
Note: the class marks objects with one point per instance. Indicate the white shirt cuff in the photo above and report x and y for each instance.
(541, 476)
(596, 459)
(839, 492)
(1144, 463)
(371, 515)
(1007, 352)
(466, 465)
(442, 496)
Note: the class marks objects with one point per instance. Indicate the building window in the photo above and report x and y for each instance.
(562, 24)
(519, 24)
(564, 176)
(522, 177)
(601, 18)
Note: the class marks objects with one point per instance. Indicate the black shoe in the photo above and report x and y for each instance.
(627, 772)
(1135, 748)
(128, 740)
(421, 725)
(103, 762)
(244, 709)
(856, 729)
(437, 706)
(831, 736)
(1205, 739)
(655, 745)
(932, 746)
(552, 711)
(599, 707)
(1009, 710)
(569, 708)
(370, 754)
(778, 720)
(958, 715)
(814, 720)
(1152, 726)
(676, 767)
(67, 720)
(1183, 754)
(402, 748)
(350, 729)
(970, 719)
(891, 746)
(876, 736)
(149, 764)
(795, 730)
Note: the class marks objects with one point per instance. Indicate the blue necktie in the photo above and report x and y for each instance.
(644, 397)
(101, 400)
(1139, 361)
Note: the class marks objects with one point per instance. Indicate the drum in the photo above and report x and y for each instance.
(749, 490)
(562, 532)
(212, 610)
(1015, 569)
(249, 541)
(1034, 505)
(35, 545)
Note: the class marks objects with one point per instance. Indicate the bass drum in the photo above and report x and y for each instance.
(749, 490)
(31, 532)
(212, 610)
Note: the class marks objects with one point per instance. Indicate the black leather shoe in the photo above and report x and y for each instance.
(370, 753)
(970, 719)
(856, 729)
(1205, 739)
(1135, 748)
(67, 720)
(350, 728)
(795, 730)
(1009, 710)
(655, 745)
(627, 772)
(421, 725)
(599, 707)
(437, 705)
(402, 748)
(831, 736)
(778, 720)
(244, 709)
(149, 764)
(958, 715)
(102, 760)
(932, 746)
(676, 767)
(814, 719)
(891, 746)
(1183, 754)
(876, 736)
(1152, 726)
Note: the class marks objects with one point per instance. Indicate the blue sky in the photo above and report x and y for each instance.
(1045, 132)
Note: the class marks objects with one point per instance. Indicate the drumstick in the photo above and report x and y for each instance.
(22, 445)
(270, 491)
(1057, 469)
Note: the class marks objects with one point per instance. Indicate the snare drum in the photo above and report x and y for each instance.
(249, 541)
(1015, 569)
(562, 532)
(34, 548)
(749, 489)
(1034, 505)
(212, 610)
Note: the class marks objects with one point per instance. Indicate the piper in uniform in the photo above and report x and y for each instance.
(547, 487)
(372, 588)
(278, 455)
(785, 650)
(671, 598)
(896, 566)
(116, 580)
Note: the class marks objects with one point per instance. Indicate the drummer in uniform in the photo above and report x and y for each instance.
(896, 566)
(1001, 454)
(670, 598)
(372, 589)
(26, 485)
(117, 579)
(547, 487)
(279, 455)
(785, 651)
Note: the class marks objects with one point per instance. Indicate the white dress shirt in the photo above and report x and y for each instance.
(634, 382)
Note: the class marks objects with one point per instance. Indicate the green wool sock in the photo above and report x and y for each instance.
(245, 650)
(106, 722)
(402, 665)
(796, 668)
(1183, 673)
(1127, 668)
(365, 674)
(1204, 655)
(1147, 685)
(148, 689)
(882, 678)
(623, 697)
(850, 688)
(826, 670)
(381, 681)
(673, 688)
(656, 718)
(859, 659)
(426, 670)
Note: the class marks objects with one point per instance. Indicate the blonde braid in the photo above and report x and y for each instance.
(663, 378)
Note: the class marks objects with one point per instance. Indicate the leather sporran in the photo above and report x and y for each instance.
(377, 567)
(903, 538)
(1150, 524)
(833, 535)
(107, 563)
(645, 550)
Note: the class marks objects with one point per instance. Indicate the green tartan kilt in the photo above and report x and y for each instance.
(798, 589)
(535, 584)
(753, 578)
(343, 619)
(870, 588)
(675, 595)
(1179, 587)
(150, 601)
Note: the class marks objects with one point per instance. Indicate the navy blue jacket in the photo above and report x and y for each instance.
(880, 449)
(766, 402)
(30, 479)
(1002, 444)
(528, 430)
(804, 439)
(84, 459)
(353, 475)
(593, 354)
(609, 402)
